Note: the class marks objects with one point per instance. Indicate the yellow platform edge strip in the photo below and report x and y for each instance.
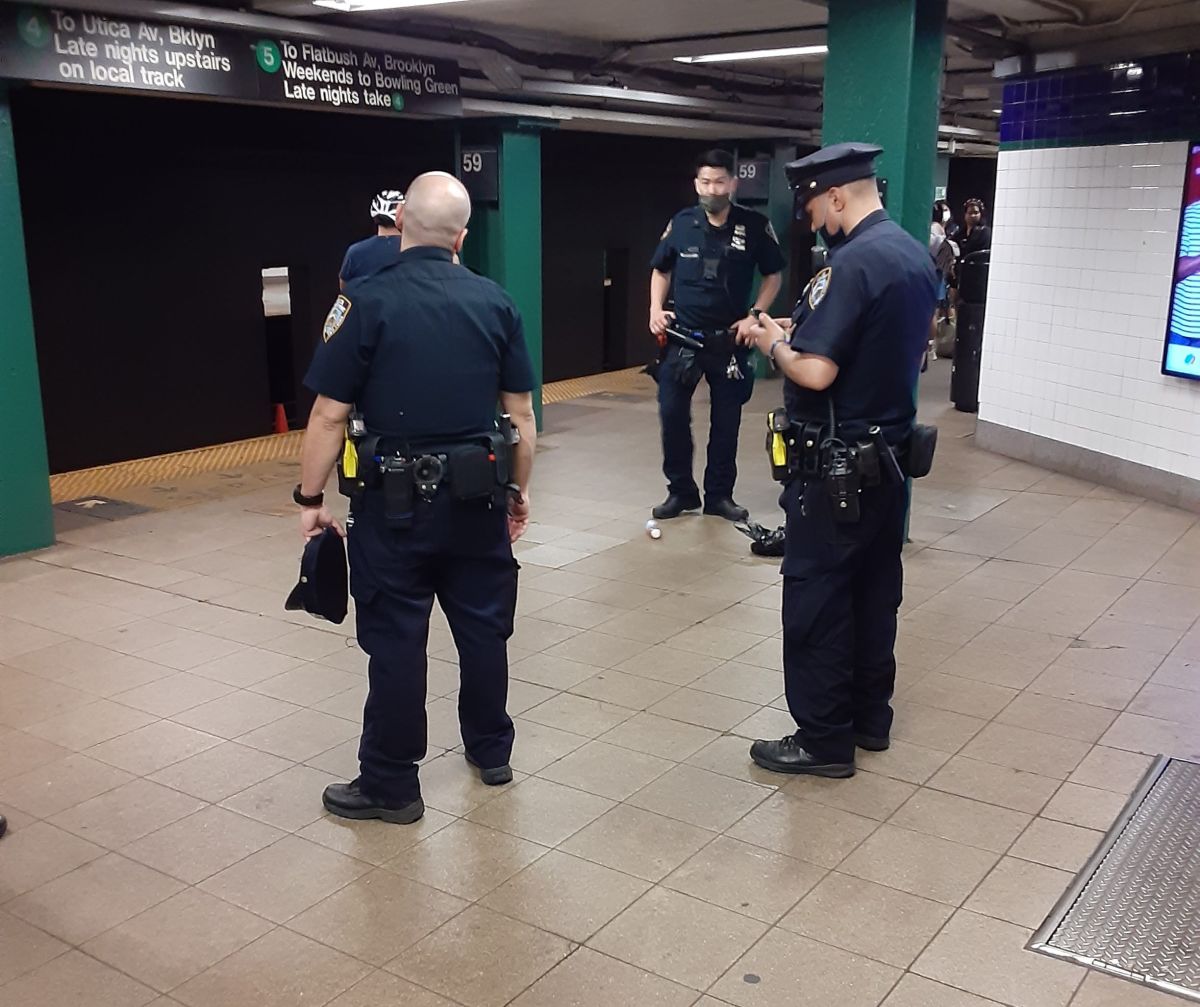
(109, 480)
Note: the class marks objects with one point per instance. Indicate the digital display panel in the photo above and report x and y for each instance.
(1181, 356)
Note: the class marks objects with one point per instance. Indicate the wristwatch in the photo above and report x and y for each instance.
(303, 501)
(771, 352)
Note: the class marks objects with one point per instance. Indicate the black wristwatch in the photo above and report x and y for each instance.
(303, 501)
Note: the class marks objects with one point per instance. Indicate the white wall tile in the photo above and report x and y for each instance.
(1083, 244)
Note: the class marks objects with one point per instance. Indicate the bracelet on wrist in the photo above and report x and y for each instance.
(318, 500)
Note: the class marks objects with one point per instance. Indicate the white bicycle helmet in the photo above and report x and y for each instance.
(386, 204)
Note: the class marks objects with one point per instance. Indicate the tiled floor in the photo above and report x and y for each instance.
(166, 729)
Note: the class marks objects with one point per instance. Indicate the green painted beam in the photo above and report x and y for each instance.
(26, 518)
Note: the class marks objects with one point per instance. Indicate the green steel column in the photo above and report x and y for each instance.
(505, 242)
(26, 520)
(882, 80)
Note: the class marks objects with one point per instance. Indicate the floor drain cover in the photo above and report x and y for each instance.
(1134, 910)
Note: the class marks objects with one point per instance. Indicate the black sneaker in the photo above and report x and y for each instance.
(788, 756)
(674, 505)
(346, 801)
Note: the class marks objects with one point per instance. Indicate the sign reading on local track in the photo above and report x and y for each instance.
(85, 49)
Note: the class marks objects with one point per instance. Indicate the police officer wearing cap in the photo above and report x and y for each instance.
(371, 254)
(426, 350)
(850, 354)
(706, 259)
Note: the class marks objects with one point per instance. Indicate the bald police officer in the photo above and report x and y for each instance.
(426, 350)
(851, 354)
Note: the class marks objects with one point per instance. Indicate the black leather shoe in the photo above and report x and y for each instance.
(346, 801)
(495, 777)
(870, 744)
(788, 756)
(675, 505)
(726, 508)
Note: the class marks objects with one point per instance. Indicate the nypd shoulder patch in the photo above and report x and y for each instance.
(335, 318)
(819, 287)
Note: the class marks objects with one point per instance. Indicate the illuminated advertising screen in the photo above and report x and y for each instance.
(1181, 356)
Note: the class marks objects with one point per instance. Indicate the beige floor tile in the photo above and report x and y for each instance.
(988, 957)
(903, 761)
(289, 800)
(383, 988)
(308, 684)
(630, 691)
(700, 798)
(867, 794)
(1113, 632)
(378, 916)
(637, 842)
(200, 845)
(1058, 717)
(670, 665)
(153, 747)
(1100, 990)
(1087, 807)
(811, 832)
(938, 729)
(308, 644)
(38, 853)
(282, 880)
(581, 614)
(598, 768)
(465, 859)
(1151, 736)
(221, 771)
(1112, 769)
(89, 725)
(24, 948)
(729, 755)
(1118, 661)
(704, 709)
(190, 651)
(1168, 703)
(1085, 687)
(1020, 892)
(679, 938)
(235, 714)
(787, 970)
(915, 991)
(281, 969)
(127, 813)
(166, 697)
(982, 662)
(1056, 844)
(590, 979)
(653, 735)
(743, 682)
(769, 722)
(960, 695)
(1000, 785)
(749, 618)
(552, 672)
(177, 939)
(93, 898)
(920, 864)
(450, 785)
(918, 652)
(301, 735)
(566, 895)
(747, 879)
(59, 785)
(541, 811)
(522, 696)
(596, 648)
(75, 978)
(23, 753)
(880, 923)
(506, 957)
(373, 842)
(961, 820)
(578, 715)
(536, 746)
(1028, 751)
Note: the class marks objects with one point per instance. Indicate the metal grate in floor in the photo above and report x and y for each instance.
(1134, 910)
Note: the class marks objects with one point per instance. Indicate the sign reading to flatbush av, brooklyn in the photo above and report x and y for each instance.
(85, 49)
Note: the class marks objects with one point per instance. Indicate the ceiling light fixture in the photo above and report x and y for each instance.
(364, 6)
(729, 57)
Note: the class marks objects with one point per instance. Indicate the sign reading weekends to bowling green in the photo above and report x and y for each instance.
(86, 49)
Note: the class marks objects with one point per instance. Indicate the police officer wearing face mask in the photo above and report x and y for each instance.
(706, 258)
(850, 355)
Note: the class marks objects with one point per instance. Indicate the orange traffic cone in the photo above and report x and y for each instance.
(281, 423)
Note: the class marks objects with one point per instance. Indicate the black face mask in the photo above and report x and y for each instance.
(831, 240)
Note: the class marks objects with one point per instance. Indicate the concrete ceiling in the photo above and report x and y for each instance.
(616, 57)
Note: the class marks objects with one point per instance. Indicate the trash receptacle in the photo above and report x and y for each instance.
(968, 340)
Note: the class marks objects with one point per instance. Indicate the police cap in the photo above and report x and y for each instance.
(322, 589)
(835, 165)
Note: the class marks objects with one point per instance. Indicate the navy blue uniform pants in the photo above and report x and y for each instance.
(459, 553)
(842, 587)
(727, 396)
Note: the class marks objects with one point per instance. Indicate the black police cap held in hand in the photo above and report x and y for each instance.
(838, 164)
(322, 590)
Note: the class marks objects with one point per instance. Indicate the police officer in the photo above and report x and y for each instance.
(707, 257)
(426, 350)
(371, 254)
(851, 351)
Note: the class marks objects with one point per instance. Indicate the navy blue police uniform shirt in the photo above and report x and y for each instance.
(423, 348)
(868, 311)
(366, 257)
(712, 268)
